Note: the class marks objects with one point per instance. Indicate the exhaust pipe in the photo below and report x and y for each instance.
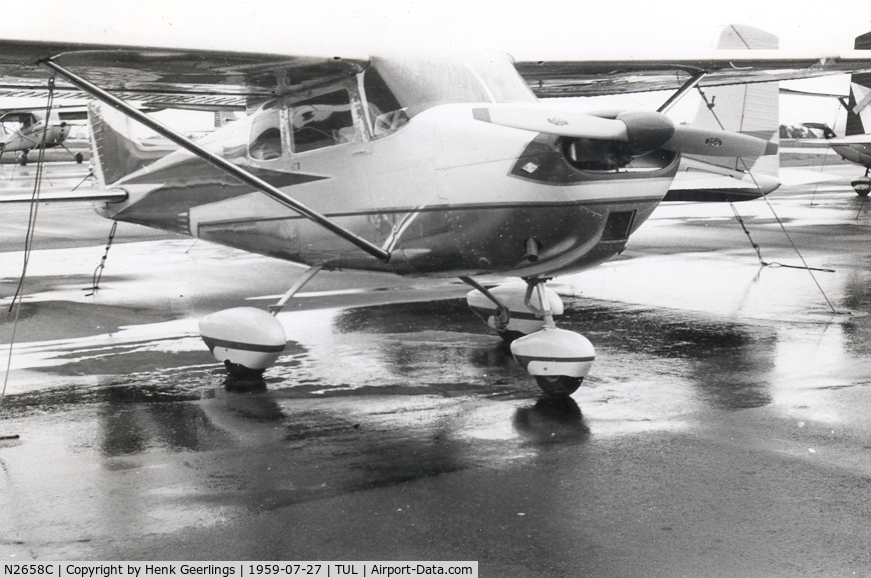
(532, 247)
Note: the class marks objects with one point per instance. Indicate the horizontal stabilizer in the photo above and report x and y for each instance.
(853, 139)
(112, 196)
(796, 92)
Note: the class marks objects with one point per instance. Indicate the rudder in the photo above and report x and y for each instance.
(856, 104)
(115, 153)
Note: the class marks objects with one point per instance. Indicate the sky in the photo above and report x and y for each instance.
(526, 29)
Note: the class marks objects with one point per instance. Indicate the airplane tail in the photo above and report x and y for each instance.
(116, 153)
(751, 109)
(856, 104)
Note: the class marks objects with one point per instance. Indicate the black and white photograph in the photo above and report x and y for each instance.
(393, 288)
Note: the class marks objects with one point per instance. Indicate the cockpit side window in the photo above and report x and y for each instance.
(321, 121)
(22, 120)
(384, 114)
(265, 143)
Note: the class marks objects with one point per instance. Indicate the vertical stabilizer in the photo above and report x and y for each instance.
(751, 109)
(115, 153)
(857, 103)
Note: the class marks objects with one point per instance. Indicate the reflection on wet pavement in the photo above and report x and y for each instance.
(371, 399)
(438, 348)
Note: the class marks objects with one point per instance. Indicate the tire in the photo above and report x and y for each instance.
(241, 372)
(509, 336)
(558, 385)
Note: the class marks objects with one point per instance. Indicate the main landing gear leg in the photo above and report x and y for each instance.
(510, 309)
(495, 313)
(78, 157)
(249, 340)
(558, 359)
(295, 288)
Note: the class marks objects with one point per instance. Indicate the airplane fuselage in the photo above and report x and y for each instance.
(427, 180)
(858, 153)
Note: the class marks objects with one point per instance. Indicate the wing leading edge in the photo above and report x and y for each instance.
(237, 79)
(171, 76)
(565, 78)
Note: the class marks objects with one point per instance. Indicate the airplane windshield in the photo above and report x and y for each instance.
(384, 113)
(20, 120)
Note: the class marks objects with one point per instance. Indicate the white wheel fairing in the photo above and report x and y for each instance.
(554, 352)
(523, 319)
(244, 336)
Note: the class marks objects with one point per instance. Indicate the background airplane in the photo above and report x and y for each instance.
(855, 145)
(25, 129)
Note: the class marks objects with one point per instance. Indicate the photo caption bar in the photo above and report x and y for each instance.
(319, 569)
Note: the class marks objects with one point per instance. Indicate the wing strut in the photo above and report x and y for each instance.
(216, 160)
(685, 88)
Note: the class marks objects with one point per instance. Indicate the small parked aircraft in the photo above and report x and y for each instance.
(416, 164)
(855, 145)
(25, 129)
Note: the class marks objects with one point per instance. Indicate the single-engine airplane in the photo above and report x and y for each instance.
(416, 164)
(25, 129)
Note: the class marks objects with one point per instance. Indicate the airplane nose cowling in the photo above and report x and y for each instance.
(647, 131)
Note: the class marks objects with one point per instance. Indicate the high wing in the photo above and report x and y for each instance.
(168, 77)
(855, 139)
(218, 79)
(568, 78)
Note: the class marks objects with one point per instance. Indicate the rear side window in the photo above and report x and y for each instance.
(321, 121)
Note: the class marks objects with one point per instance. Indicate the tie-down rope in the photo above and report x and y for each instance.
(804, 265)
(28, 240)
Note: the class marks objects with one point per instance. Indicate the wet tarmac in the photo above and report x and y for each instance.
(723, 430)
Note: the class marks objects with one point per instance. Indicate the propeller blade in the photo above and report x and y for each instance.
(643, 131)
(718, 143)
(553, 121)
